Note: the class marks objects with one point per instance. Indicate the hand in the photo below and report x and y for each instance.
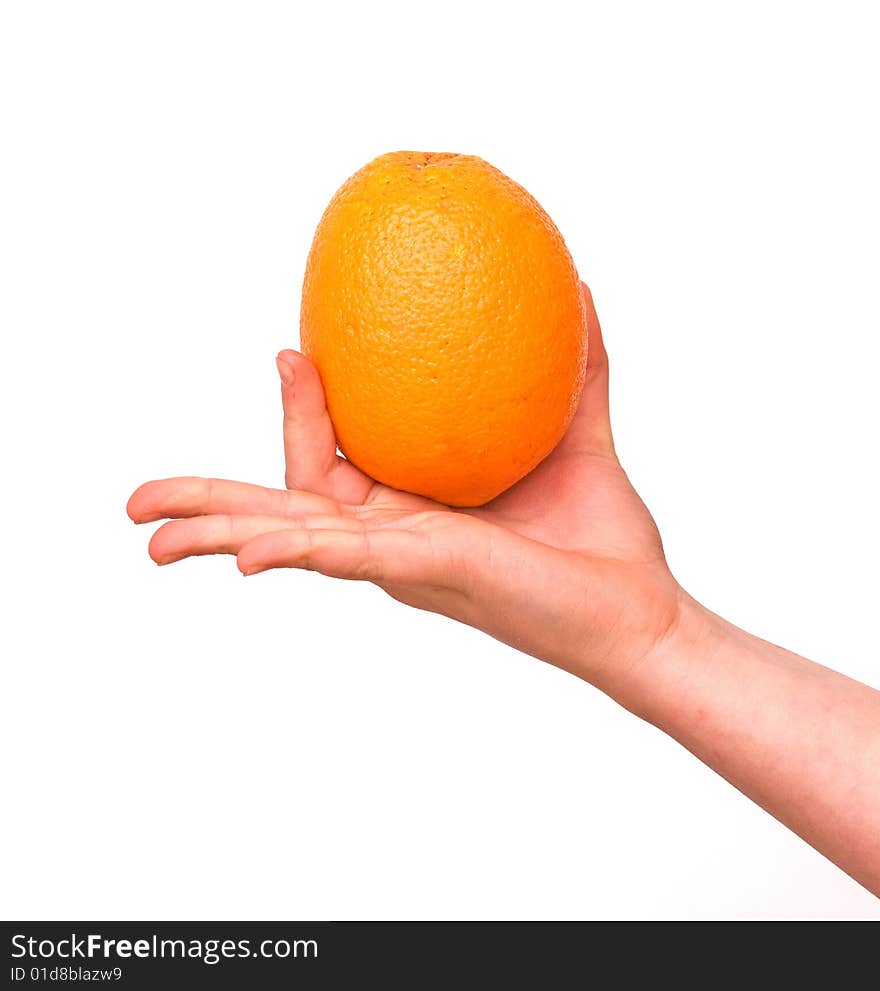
(566, 565)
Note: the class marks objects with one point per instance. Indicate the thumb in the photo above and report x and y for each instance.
(309, 441)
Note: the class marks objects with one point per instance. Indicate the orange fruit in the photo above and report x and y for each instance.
(443, 312)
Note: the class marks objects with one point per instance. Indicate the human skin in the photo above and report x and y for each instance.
(568, 566)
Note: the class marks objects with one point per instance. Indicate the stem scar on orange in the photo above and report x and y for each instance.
(442, 310)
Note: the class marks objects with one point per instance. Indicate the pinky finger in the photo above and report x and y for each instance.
(380, 556)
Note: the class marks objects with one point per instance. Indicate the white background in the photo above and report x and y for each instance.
(180, 743)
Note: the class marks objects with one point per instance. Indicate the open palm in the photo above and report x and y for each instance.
(569, 556)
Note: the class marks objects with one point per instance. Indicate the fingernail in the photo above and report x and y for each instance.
(251, 571)
(285, 370)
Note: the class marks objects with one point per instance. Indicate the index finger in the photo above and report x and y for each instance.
(178, 498)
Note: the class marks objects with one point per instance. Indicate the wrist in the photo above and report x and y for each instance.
(655, 682)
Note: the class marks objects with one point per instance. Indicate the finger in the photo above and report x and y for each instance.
(591, 427)
(310, 458)
(183, 497)
(381, 556)
(224, 534)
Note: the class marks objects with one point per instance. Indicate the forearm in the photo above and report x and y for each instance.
(799, 739)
